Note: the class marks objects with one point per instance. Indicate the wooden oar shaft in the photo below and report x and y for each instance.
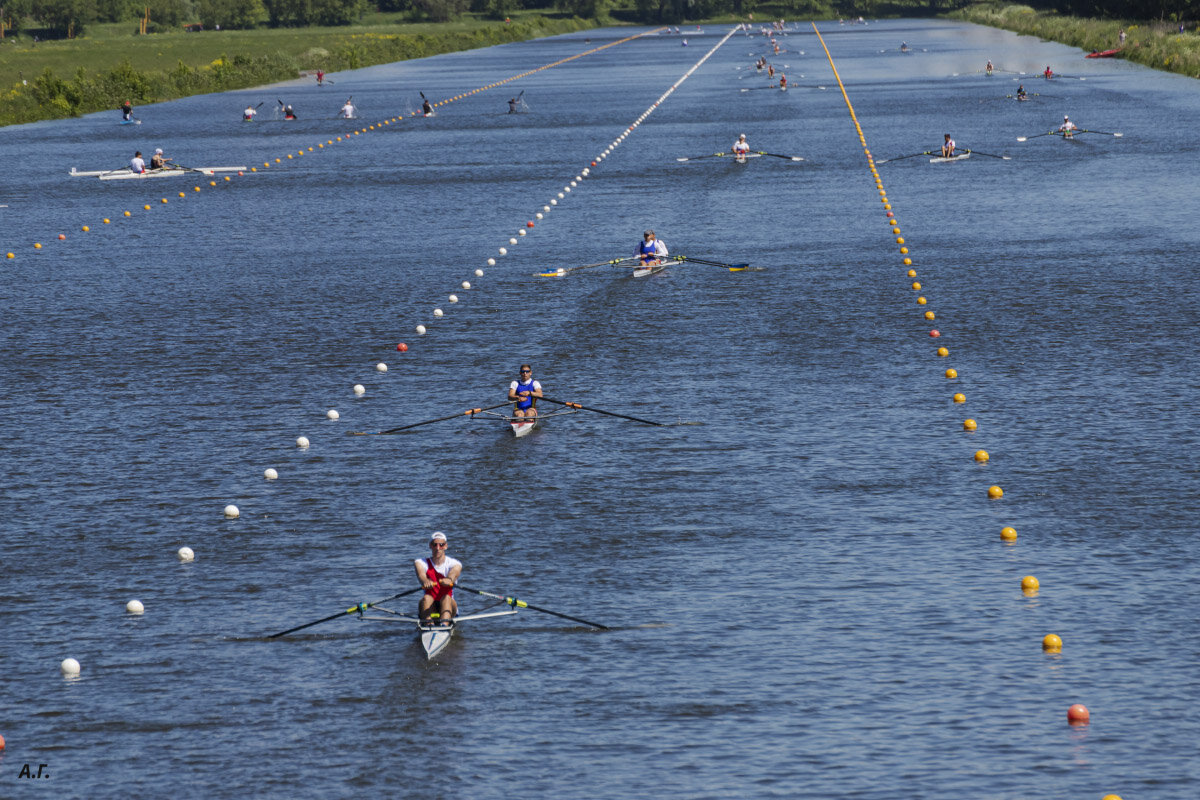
(512, 601)
(600, 411)
(469, 412)
(361, 607)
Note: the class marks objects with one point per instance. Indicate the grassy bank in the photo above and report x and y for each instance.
(1155, 44)
(55, 79)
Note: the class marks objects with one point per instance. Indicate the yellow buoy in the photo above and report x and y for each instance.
(943, 352)
(908, 263)
(952, 373)
(85, 229)
(903, 250)
(959, 397)
(9, 255)
(921, 301)
(981, 455)
(995, 493)
(929, 315)
(912, 273)
(916, 286)
(1052, 643)
(129, 213)
(164, 199)
(37, 245)
(899, 240)
(106, 220)
(146, 208)
(1030, 583)
(1008, 534)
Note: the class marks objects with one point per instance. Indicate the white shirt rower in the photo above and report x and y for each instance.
(1067, 127)
(741, 146)
(347, 111)
(249, 113)
(136, 164)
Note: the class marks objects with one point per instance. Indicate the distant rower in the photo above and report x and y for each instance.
(1049, 73)
(158, 161)
(1021, 92)
(740, 147)
(1067, 129)
(988, 68)
(948, 147)
(137, 164)
(650, 249)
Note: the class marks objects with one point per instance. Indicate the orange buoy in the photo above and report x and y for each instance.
(62, 236)
(935, 333)
(1078, 714)
(402, 347)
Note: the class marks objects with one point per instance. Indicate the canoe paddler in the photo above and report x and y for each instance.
(427, 107)
(525, 391)
(512, 105)
(126, 111)
(783, 81)
(136, 164)
(158, 160)
(288, 113)
(1067, 129)
(249, 113)
(948, 147)
(320, 78)
(739, 148)
(347, 111)
(650, 249)
(438, 573)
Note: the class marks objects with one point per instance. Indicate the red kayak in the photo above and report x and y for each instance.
(1102, 54)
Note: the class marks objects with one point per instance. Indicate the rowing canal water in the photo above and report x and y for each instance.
(807, 585)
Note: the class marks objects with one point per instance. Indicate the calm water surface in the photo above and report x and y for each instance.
(808, 591)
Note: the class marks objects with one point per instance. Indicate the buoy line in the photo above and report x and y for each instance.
(1077, 714)
(358, 132)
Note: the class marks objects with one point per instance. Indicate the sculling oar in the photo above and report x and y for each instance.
(1027, 138)
(361, 607)
(776, 155)
(901, 158)
(730, 267)
(989, 155)
(609, 413)
(568, 270)
(1105, 133)
(470, 412)
(697, 158)
(514, 602)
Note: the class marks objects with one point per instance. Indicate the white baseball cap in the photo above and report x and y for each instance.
(158, 151)
(438, 536)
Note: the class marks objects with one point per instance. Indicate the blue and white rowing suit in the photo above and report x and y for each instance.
(648, 251)
(525, 403)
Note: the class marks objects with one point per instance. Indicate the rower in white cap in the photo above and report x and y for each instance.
(157, 161)
(741, 146)
(438, 573)
(1067, 129)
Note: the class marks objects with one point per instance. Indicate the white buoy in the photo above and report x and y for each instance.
(478, 273)
(519, 233)
(437, 312)
(453, 298)
(538, 215)
(332, 414)
(420, 330)
(553, 202)
(560, 196)
(302, 441)
(546, 209)
(135, 607)
(585, 172)
(232, 511)
(69, 666)
(359, 389)
(466, 284)
(503, 251)
(491, 262)
(185, 554)
(381, 367)
(513, 240)
(270, 474)
(573, 183)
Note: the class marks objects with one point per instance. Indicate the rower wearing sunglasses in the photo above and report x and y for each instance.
(438, 573)
(525, 391)
(650, 250)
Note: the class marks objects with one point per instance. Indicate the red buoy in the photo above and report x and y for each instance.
(402, 347)
(529, 224)
(1078, 714)
(935, 333)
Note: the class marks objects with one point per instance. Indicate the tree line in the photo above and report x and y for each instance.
(71, 17)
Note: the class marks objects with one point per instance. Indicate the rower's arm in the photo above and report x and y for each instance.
(512, 393)
(421, 577)
(452, 576)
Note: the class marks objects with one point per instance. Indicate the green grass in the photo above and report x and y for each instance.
(1154, 44)
(89, 73)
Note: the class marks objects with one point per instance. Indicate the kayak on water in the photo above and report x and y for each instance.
(1102, 54)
